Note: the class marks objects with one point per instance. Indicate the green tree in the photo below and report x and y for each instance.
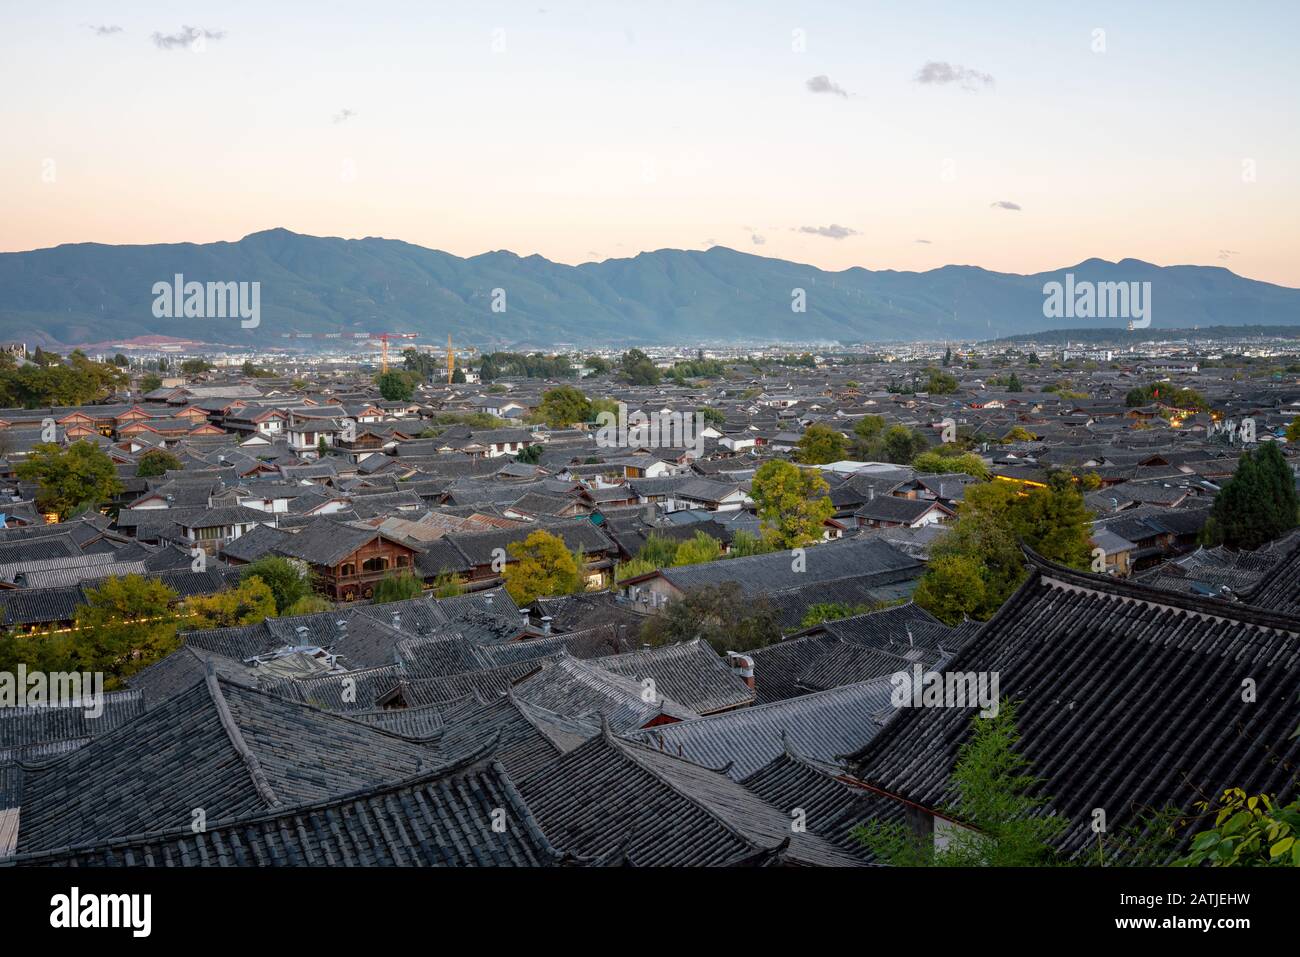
(869, 427)
(150, 382)
(938, 383)
(902, 444)
(1007, 818)
(157, 462)
(723, 615)
(1293, 430)
(984, 543)
(562, 407)
(832, 611)
(287, 579)
(447, 585)
(659, 551)
(745, 543)
(952, 588)
(1257, 504)
(1168, 395)
(1247, 832)
(246, 604)
(71, 479)
(395, 386)
(638, 368)
(969, 463)
(307, 605)
(821, 444)
(120, 361)
(712, 416)
(700, 548)
(530, 454)
(542, 566)
(126, 624)
(399, 587)
(791, 503)
(195, 366)
(633, 568)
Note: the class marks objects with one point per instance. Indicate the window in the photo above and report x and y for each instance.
(403, 561)
(348, 569)
(377, 564)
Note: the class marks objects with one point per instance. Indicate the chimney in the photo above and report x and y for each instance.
(397, 621)
(743, 664)
(527, 620)
(546, 624)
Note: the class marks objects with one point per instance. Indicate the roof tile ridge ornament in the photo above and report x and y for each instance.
(236, 737)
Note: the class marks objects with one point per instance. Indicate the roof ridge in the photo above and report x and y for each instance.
(629, 748)
(467, 764)
(1176, 601)
(237, 740)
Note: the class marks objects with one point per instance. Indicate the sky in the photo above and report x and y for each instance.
(904, 135)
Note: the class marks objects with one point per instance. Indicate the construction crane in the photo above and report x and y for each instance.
(381, 337)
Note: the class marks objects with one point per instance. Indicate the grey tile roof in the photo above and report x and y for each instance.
(22, 727)
(228, 750)
(613, 796)
(821, 726)
(690, 673)
(439, 818)
(775, 570)
(325, 542)
(527, 737)
(577, 688)
(848, 663)
(832, 807)
(484, 684)
(182, 669)
(778, 666)
(1131, 699)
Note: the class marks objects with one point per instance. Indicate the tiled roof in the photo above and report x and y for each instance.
(822, 726)
(778, 666)
(527, 737)
(689, 672)
(759, 573)
(831, 806)
(228, 750)
(576, 688)
(1132, 698)
(611, 795)
(439, 818)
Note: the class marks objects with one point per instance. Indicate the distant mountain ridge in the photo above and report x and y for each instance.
(89, 292)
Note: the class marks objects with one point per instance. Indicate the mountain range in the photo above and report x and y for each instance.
(93, 293)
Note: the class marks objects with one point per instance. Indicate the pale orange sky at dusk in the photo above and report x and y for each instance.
(592, 131)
